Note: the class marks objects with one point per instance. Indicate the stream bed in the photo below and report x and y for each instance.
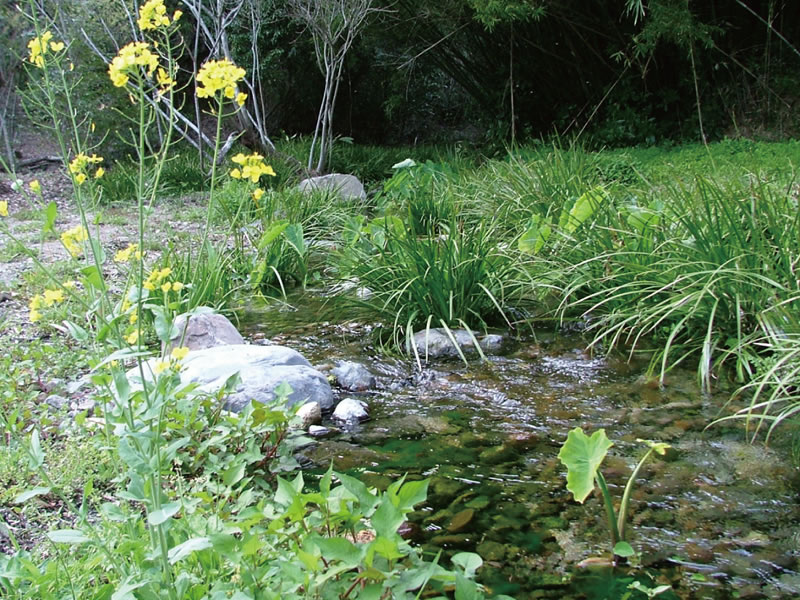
(716, 518)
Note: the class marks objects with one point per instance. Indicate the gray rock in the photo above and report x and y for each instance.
(350, 410)
(57, 402)
(310, 414)
(435, 343)
(347, 186)
(318, 431)
(491, 343)
(205, 330)
(82, 405)
(261, 370)
(74, 386)
(353, 377)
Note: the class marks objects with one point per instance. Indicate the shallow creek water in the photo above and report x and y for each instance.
(717, 518)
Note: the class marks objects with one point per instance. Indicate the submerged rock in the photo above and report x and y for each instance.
(436, 343)
(344, 456)
(353, 377)
(346, 186)
(460, 520)
(205, 330)
(261, 369)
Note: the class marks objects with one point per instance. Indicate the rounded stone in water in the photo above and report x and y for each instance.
(351, 410)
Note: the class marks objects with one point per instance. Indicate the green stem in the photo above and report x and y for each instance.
(626, 496)
(612, 520)
(209, 209)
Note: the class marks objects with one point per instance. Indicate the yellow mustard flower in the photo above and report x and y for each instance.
(129, 59)
(177, 15)
(36, 303)
(133, 318)
(99, 173)
(179, 353)
(252, 167)
(161, 366)
(241, 98)
(257, 194)
(53, 296)
(56, 46)
(177, 286)
(155, 278)
(166, 287)
(3, 208)
(218, 75)
(37, 48)
(126, 254)
(73, 239)
(70, 284)
(79, 166)
(152, 15)
(133, 337)
(35, 186)
(165, 82)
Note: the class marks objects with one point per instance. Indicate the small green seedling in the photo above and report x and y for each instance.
(582, 455)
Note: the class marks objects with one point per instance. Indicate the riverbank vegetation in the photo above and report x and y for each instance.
(684, 255)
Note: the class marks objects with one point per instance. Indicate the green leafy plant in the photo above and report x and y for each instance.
(211, 274)
(583, 455)
(460, 277)
(281, 258)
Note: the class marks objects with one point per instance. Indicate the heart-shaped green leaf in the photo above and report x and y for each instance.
(582, 455)
(623, 549)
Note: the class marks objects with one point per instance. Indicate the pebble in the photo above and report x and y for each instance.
(318, 431)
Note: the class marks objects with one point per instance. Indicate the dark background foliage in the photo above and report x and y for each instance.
(493, 71)
(443, 70)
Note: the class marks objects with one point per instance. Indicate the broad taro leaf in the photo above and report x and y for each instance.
(582, 455)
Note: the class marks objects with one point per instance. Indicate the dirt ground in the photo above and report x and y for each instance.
(116, 227)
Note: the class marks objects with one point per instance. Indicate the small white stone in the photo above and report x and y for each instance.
(310, 414)
(350, 410)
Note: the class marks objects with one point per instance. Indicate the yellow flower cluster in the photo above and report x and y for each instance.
(39, 301)
(219, 75)
(253, 167)
(157, 277)
(35, 186)
(38, 47)
(153, 14)
(126, 306)
(132, 251)
(73, 239)
(79, 167)
(3, 208)
(165, 82)
(129, 59)
(175, 357)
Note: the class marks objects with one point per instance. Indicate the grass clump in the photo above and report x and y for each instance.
(453, 276)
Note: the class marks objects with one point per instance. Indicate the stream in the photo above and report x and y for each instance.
(716, 518)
